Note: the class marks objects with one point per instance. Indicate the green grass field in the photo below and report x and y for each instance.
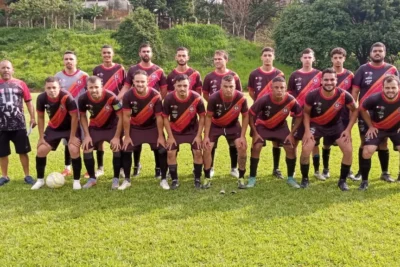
(269, 225)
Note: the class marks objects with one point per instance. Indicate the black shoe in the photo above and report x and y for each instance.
(398, 179)
(386, 177)
(29, 180)
(4, 180)
(363, 186)
(343, 186)
(304, 183)
(174, 184)
(278, 174)
(358, 176)
(197, 184)
(157, 172)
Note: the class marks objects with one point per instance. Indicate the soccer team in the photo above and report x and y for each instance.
(128, 109)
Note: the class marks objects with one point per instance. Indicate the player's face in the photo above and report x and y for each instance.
(307, 60)
(6, 70)
(140, 83)
(219, 61)
(146, 54)
(107, 54)
(95, 89)
(228, 88)
(267, 58)
(70, 61)
(377, 54)
(338, 60)
(182, 88)
(52, 89)
(391, 90)
(329, 81)
(182, 58)
(278, 89)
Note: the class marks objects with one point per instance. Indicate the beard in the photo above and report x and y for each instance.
(376, 60)
(145, 59)
(181, 64)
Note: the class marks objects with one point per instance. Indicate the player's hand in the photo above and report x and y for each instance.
(290, 140)
(206, 143)
(73, 140)
(127, 142)
(242, 142)
(307, 137)
(87, 142)
(42, 142)
(398, 131)
(170, 142)
(256, 137)
(161, 141)
(346, 136)
(33, 123)
(115, 144)
(372, 132)
(197, 141)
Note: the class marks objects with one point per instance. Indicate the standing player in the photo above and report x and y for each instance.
(211, 85)
(105, 125)
(157, 81)
(300, 83)
(222, 118)
(143, 124)
(367, 81)
(180, 110)
(72, 80)
(268, 122)
(182, 58)
(63, 124)
(260, 84)
(381, 113)
(13, 93)
(322, 118)
(344, 81)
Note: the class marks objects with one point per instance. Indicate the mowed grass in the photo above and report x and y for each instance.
(269, 225)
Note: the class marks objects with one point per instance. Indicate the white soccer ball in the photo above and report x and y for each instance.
(55, 180)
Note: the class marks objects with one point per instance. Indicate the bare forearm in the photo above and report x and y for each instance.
(167, 126)
(41, 126)
(119, 126)
(297, 123)
(74, 124)
(252, 123)
(160, 125)
(85, 125)
(122, 92)
(353, 118)
(306, 122)
(31, 109)
(245, 124)
(207, 126)
(366, 117)
(126, 123)
(201, 125)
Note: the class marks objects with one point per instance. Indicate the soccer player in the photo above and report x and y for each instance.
(211, 85)
(300, 83)
(381, 114)
(157, 81)
(105, 125)
(72, 80)
(223, 110)
(344, 81)
(63, 124)
(367, 81)
(143, 124)
(260, 84)
(182, 58)
(322, 118)
(268, 122)
(13, 93)
(180, 111)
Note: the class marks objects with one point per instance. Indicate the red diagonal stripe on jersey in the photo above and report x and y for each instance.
(302, 96)
(229, 116)
(77, 86)
(104, 114)
(389, 122)
(268, 87)
(331, 112)
(151, 81)
(377, 86)
(280, 116)
(145, 113)
(192, 79)
(59, 116)
(186, 117)
(342, 85)
(113, 84)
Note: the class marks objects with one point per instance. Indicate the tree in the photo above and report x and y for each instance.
(180, 9)
(154, 6)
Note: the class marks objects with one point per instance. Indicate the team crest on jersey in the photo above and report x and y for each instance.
(315, 80)
(116, 76)
(285, 110)
(151, 105)
(318, 107)
(79, 82)
(107, 108)
(346, 81)
(337, 105)
(191, 109)
(236, 107)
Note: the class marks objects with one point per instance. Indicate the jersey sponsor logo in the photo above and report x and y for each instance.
(267, 111)
(381, 111)
(90, 109)
(298, 83)
(174, 112)
(368, 78)
(135, 108)
(312, 130)
(318, 107)
(219, 109)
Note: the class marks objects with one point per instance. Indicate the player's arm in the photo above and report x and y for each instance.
(355, 91)
(31, 110)
(126, 122)
(74, 127)
(40, 119)
(118, 131)
(297, 122)
(353, 115)
(245, 124)
(206, 95)
(121, 93)
(160, 128)
(306, 122)
(252, 94)
(167, 126)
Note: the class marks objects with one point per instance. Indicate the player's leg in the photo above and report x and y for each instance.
(241, 159)
(127, 166)
(67, 160)
(383, 155)
(254, 160)
(136, 161)
(316, 162)
(276, 155)
(305, 162)
(157, 167)
(41, 161)
(212, 170)
(100, 159)
(90, 168)
(290, 152)
(233, 154)
(326, 152)
(347, 150)
(76, 161)
(22, 148)
(198, 165)
(365, 165)
(163, 164)
(207, 159)
(172, 166)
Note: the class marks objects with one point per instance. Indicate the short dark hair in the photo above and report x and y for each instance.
(278, 79)
(330, 71)
(222, 53)
(93, 79)
(140, 72)
(338, 51)
(307, 51)
(69, 52)
(267, 49)
(377, 44)
(143, 45)
(52, 79)
(391, 78)
(181, 77)
(182, 48)
(228, 78)
(107, 46)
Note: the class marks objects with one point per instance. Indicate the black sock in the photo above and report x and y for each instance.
(156, 159)
(77, 167)
(207, 173)
(127, 164)
(162, 162)
(100, 157)
(360, 152)
(325, 157)
(315, 160)
(291, 165)
(67, 156)
(276, 154)
(173, 171)
(253, 166)
(365, 168)
(304, 170)
(344, 171)
(383, 156)
(197, 171)
(136, 155)
(40, 167)
(212, 156)
(89, 164)
(116, 163)
(241, 173)
(234, 156)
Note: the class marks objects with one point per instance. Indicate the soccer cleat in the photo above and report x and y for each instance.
(358, 177)
(90, 183)
(278, 174)
(222, 192)
(197, 184)
(292, 182)
(207, 183)
(241, 184)
(66, 172)
(304, 183)
(319, 176)
(29, 180)
(164, 184)
(212, 172)
(351, 176)
(125, 184)
(234, 172)
(76, 185)
(326, 173)
(174, 184)
(363, 186)
(343, 185)
(39, 183)
(115, 183)
(121, 173)
(251, 182)
(4, 180)
(99, 172)
(157, 173)
(136, 170)
(386, 177)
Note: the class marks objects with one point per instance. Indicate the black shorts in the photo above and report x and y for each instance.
(20, 140)
(143, 136)
(394, 137)
(185, 139)
(298, 134)
(362, 126)
(54, 137)
(276, 135)
(330, 134)
(231, 133)
(101, 135)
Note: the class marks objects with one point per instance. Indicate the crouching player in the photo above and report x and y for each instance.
(223, 110)
(381, 113)
(180, 111)
(268, 122)
(105, 125)
(63, 123)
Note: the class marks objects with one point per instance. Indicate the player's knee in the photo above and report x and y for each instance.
(161, 150)
(289, 151)
(42, 151)
(197, 154)
(368, 151)
(74, 150)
